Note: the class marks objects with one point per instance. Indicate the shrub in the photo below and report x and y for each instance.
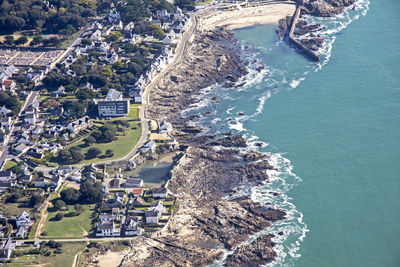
(59, 216)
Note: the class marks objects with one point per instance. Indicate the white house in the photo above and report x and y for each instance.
(151, 217)
(96, 36)
(79, 125)
(149, 146)
(9, 85)
(6, 176)
(168, 40)
(157, 206)
(165, 127)
(24, 220)
(21, 148)
(40, 182)
(107, 229)
(6, 250)
(31, 118)
(130, 227)
(4, 111)
(160, 192)
(106, 218)
(130, 182)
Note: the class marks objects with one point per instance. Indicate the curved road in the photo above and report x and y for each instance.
(180, 51)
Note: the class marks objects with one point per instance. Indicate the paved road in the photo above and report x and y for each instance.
(29, 100)
(180, 50)
(86, 239)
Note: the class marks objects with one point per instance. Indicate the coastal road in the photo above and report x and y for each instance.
(180, 50)
(85, 239)
(29, 100)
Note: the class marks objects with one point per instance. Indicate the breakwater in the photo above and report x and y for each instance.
(314, 56)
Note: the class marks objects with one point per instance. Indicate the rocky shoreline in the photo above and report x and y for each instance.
(208, 220)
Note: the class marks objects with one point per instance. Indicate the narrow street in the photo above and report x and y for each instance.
(15, 125)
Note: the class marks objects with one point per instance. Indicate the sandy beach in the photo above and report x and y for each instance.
(267, 14)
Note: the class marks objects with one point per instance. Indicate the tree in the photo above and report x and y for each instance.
(36, 40)
(36, 199)
(70, 195)
(99, 176)
(109, 153)
(59, 216)
(90, 140)
(118, 65)
(157, 32)
(185, 4)
(9, 40)
(85, 94)
(96, 134)
(64, 156)
(76, 155)
(86, 42)
(108, 136)
(21, 40)
(115, 36)
(14, 197)
(91, 192)
(78, 208)
(93, 152)
(59, 205)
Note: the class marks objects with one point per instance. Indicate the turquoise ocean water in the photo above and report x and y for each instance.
(334, 131)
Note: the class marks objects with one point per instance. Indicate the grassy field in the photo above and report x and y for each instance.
(14, 209)
(124, 143)
(69, 226)
(9, 164)
(65, 259)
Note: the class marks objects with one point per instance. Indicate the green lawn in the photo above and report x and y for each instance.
(203, 2)
(124, 143)
(14, 209)
(69, 227)
(66, 259)
(9, 164)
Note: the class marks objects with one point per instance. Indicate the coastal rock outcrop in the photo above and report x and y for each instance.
(253, 254)
(325, 8)
(209, 217)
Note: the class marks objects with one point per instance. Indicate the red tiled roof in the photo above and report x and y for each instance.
(7, 83)
(137, 191)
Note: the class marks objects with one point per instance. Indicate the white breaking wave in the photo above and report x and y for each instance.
(289, 233)
(294, 83)
(334, 25)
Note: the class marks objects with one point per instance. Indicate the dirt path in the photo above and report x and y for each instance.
(43, 217)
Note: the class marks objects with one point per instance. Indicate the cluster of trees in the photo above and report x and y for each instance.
(186, 4)
(54, 79)
(89, 193)
(70, 156)
(105, 134)
(10, 41)
(53, 16)
(137, 10)
(10, 101)
(52, 41)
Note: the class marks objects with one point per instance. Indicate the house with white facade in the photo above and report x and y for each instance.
(160, 192)
(114, 105)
